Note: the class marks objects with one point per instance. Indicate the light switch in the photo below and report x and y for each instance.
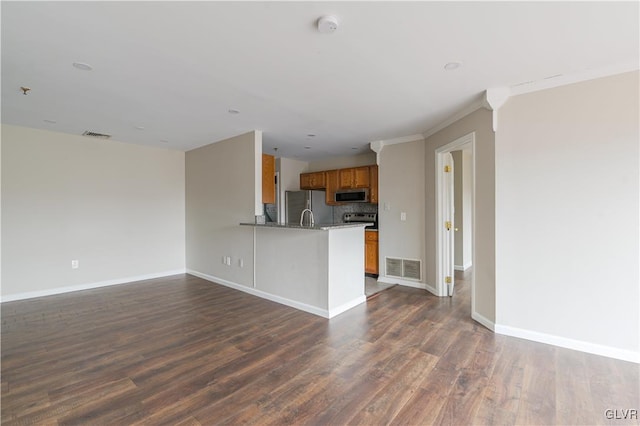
(403, 216)
(387, 206)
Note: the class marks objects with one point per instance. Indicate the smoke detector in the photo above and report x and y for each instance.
(327, 24)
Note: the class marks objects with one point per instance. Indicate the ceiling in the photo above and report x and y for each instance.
(167, 74)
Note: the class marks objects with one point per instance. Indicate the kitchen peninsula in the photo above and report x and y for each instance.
(317, 269)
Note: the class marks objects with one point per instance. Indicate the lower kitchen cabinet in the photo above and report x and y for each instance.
(371, 252)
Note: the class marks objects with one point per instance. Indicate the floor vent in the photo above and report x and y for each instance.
(403, 268)
(96, 135)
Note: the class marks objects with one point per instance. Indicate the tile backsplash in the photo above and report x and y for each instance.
(339, 211)
(271, 212)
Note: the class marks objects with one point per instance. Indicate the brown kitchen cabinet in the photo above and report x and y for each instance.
(331, 180)
(268, 179)
(354, 177)
(371, 252)
(314, 180)
(373, 184)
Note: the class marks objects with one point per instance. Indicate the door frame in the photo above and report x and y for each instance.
(458, 144)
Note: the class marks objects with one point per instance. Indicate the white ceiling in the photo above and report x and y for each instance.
(176, 68)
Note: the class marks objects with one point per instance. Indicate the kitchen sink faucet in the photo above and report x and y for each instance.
(310, 215)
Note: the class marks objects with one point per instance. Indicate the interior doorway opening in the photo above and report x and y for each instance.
(449, 226)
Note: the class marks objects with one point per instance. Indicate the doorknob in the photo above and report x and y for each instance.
(455, 229)
(447, 225)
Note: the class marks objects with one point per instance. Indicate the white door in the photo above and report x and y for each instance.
(448, 225)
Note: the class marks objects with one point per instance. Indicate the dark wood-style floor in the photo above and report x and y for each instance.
(182, 351)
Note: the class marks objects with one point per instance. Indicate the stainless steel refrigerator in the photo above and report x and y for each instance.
(297, 201)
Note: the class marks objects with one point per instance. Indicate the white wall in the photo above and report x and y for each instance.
(462, 202)
(567, 244)
(313, 270)
(479, 122)
(467, 208)
(342, 162)
(117, 208)
(401, 177)
(221, 191)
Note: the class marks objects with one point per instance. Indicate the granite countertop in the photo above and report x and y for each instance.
(316, 227)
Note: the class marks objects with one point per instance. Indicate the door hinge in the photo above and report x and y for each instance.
(447, 280)
(447, 225)
(447, 169)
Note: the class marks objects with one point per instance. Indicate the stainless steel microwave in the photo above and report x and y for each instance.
(360, 195)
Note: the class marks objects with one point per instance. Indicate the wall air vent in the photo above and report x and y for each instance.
(403, 268)
(394, 267)
(96, 135)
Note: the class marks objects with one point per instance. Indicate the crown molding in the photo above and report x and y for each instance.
(532, 86)
(480, 103)
(494, 98)
(401, 139)
(377, 146)
(577, 77)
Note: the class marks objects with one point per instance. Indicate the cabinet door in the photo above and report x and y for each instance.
(315, 180)
(371, 252)
(373, 184)
(354, 177)
(268, 179)
(305, 180)
(361, 177)
(345, 177)
(318, 180)
(331, 179)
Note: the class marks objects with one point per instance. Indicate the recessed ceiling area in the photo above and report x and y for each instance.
(198, 72)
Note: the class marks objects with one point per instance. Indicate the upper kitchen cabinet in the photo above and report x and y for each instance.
(268, 179)
(373, 184)
(314, 180)
(354, 177)
(331, 178)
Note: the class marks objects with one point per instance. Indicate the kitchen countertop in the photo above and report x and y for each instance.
(316, 227)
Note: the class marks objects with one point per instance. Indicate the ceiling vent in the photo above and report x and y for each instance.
(96, 135)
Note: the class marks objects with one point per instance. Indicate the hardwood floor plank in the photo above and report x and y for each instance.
(183, 351)
(55, 412)
(424, 407)
(574, 401)
(386, 404)
(538, 399)
(502, 393)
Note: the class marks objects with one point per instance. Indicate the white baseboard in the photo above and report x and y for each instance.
(60, 290)
(563, 342)
(484, 321)
(407, 283)
(346, 306)
(463, 267)
(278, 299)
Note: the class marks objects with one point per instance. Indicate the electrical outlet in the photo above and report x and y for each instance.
(403, 216)
(75, 264)
(228, 263)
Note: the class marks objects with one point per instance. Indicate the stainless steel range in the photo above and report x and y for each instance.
(362, 217)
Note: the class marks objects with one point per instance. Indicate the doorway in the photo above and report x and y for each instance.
(446, 225)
